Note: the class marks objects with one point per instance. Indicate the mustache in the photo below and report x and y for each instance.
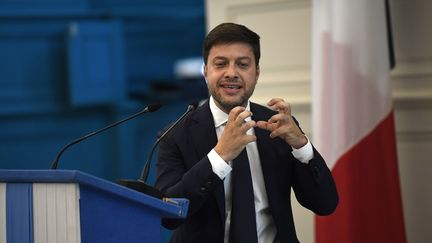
(231, 80)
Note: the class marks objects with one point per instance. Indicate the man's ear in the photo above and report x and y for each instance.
(257, 72)
(205, 72)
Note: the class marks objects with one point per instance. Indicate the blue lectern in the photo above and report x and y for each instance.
(64, 206)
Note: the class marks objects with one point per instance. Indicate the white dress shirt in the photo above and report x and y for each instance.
(266, 228)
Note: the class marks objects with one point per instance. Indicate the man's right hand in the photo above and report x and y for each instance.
(234, 138)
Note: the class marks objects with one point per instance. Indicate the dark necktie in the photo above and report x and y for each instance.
(243, 222)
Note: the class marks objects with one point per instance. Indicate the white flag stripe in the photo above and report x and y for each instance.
(350, 79)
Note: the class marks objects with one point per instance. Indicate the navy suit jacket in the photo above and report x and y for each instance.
(184, 171)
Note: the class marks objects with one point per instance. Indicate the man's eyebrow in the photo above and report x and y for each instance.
(225, 58)
(220, 57)
(244, 58)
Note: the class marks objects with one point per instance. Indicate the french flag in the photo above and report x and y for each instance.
(353, 121)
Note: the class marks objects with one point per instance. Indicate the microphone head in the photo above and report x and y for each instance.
(192, 106)
(154, 107)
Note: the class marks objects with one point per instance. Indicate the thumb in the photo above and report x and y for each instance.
(264, 125)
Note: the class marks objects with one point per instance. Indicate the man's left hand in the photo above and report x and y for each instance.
(283, 125)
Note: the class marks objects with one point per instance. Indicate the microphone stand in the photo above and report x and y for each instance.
(150, 108)
(140, 184)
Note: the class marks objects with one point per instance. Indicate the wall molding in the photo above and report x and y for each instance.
(247, 7)
(412, 81)
(418, 136)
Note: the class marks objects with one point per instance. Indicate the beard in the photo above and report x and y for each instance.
(228, 104)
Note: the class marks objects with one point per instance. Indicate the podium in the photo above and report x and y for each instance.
(65, 206)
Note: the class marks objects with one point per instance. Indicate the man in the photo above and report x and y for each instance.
(200, 159)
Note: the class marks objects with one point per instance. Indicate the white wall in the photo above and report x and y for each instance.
(285, 30)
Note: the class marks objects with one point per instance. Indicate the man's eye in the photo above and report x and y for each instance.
(219, 64)
(244, 65)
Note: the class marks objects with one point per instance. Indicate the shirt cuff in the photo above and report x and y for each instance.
(219, 166)
(303, 154)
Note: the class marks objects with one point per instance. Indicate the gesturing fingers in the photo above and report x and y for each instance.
(277, 125)
(237, 119)
(279, 118)
(247, 125)
(282, 124)
(234, 137)
(280, 105)
(266, 125)
(242, 117)
(274, 122)
(234, 113)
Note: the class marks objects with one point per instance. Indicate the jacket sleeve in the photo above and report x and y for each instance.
(314, 186)
(177, 178)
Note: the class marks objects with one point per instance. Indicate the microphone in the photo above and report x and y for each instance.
(140, 184)
(146, 169)
(150, 108)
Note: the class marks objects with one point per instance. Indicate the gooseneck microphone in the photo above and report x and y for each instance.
(140, 184)
(150, 108)
(146, 169)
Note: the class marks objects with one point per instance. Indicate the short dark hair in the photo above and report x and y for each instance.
(232, 33)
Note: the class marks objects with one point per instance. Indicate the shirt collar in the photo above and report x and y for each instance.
(219, 116)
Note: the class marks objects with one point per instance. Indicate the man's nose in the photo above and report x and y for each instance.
(231, 72)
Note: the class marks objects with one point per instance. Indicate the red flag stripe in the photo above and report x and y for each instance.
(370, 208)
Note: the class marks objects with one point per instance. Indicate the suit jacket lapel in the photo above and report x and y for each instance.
(202, 131)
(203, 134)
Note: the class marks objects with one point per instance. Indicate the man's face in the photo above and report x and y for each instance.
(231, 74)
